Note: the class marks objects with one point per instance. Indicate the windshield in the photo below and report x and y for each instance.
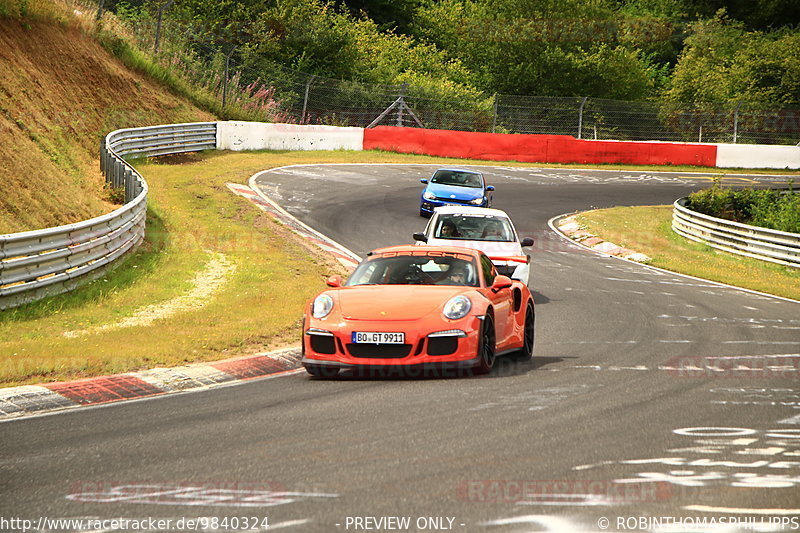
(474, 228)
(458, 178)
(416, 268)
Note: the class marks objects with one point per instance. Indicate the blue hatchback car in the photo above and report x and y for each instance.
(454, 186)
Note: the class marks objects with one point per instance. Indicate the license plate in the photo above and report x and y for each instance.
(378, 337)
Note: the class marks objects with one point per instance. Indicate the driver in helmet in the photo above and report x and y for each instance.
(456, 275)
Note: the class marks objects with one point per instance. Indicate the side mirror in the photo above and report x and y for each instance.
(501, 282)
(334, 281)
(490, 187)
(420, 237)
(424, 181)
(527, 241)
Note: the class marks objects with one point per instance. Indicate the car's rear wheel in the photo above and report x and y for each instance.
(320, 371)
(528, 335)
(486, 347)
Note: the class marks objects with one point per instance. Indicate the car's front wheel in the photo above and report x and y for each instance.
(486, 347)
(320, 371)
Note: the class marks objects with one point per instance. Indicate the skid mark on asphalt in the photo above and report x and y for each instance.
(777, 398)
(193, 496)
(536, 400)
(776, 323)
(774, 366)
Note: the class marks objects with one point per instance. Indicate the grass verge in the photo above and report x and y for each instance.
(648, 229)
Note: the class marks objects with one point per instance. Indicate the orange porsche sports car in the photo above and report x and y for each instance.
(440, 306)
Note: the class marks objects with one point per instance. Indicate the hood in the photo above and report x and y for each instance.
(490, 248)
(394, 302)
(461, 193)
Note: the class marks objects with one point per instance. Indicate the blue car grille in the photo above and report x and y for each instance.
(454, 201)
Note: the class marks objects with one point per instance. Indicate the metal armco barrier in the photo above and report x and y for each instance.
(751, 241)
(35, 264)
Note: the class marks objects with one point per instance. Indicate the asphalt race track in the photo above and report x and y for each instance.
(609, 428)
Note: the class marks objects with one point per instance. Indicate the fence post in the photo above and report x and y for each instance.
(158, 24)
(402, 101)
(494, 119)
(736, 122)
(225, 82)
(100, 10)
(305, 99)
(580, 116)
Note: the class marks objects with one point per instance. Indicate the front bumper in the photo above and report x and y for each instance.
(429, 205)
(324, 345)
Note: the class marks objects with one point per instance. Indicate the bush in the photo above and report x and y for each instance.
(767, 208)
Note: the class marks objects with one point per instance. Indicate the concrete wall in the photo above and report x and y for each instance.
(758, 156)
(262, 136)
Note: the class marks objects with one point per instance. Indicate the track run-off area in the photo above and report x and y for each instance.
(653, 402)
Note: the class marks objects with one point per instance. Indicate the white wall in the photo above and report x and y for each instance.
(262, 136)
(757, 156)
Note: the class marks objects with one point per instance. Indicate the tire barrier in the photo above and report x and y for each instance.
(40, 263)
(751, 241)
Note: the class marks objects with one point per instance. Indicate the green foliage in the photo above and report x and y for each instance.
(723, 62)
(758, 207)
(387, 14)
(547, 48)
(21, 9)
(115, 195)
(467, 49)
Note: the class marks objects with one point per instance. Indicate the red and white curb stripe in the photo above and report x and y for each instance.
(570, 227)
(347, 258)
(16, 402)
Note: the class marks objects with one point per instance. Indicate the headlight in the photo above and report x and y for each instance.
(429, 195)
(478, 201)
(457, 307)
(323, 304)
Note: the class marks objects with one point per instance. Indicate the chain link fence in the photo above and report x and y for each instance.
(275, 93)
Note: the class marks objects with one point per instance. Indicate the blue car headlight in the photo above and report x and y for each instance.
(428, 195)
(478, 201)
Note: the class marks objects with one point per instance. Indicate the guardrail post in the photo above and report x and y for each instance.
(117, 174)
(128, 185)
(102, 156)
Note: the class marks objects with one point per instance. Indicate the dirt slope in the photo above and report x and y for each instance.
(60, 92)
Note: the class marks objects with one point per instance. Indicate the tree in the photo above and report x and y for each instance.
(723, 62)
